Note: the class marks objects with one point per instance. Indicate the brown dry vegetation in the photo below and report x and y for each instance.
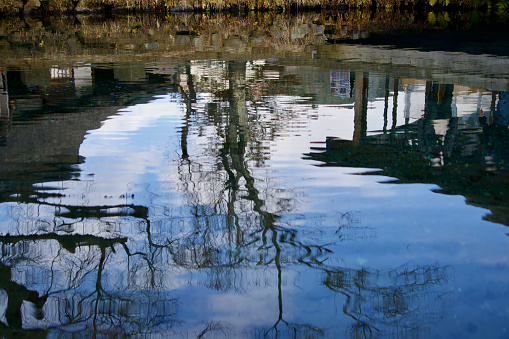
(59, 6)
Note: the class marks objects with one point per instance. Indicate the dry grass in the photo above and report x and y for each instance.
(14, 6)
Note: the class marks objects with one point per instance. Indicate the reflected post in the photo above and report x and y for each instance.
(361, 107)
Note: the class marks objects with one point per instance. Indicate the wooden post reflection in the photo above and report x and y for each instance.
(189, 99)
(386, 102)
(493, 102)
(237, 100)
(395, 108)
(361, 107)
(4, 97)
(441, 92)
(426, 98)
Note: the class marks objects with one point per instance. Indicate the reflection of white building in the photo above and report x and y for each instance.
(83, 80)
(61, 73)
(208, 75)
(415, 97)
(469, 102)
(212, 75)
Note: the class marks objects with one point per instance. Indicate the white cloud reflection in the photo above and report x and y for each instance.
(130, 145)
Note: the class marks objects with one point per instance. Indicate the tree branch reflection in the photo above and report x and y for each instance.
(229, 225)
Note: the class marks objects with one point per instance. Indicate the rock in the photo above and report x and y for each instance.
(151, 45)
(181, 40)
(258, 36)
(276, 31)
(198, 42)
(299, 31)
(216, 40)
(234, 44)
(318, 29)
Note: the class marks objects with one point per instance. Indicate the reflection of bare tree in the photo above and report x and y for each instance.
(398, 301)
(17, 294)
(214, 328)
(232, 221)
(225, 236)
(257, 236)
(77, 295)
(234, 163)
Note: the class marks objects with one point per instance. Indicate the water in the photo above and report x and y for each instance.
(205, 183)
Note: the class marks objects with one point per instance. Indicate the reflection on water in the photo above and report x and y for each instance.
(219, 197)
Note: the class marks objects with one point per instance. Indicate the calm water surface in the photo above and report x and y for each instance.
(330, 190)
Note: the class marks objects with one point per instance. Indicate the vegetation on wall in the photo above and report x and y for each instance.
(27, 7)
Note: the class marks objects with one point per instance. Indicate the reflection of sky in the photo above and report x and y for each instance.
(156, 120)
(137, 151)
(134, 151)
(132, 147)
